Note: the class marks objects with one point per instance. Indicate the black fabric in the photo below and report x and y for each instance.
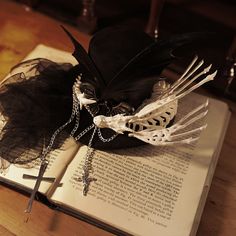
(34, 109)
(121, 64)
(112, 49)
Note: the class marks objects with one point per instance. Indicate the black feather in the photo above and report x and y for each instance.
(85, 61)
(121, 64)
(148, 62)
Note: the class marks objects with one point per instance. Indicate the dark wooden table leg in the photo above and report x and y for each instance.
(154, 16)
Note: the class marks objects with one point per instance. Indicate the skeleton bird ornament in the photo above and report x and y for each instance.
(105, 101)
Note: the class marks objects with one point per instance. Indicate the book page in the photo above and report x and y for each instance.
(58, 161)
(143, 191)
(147, 190)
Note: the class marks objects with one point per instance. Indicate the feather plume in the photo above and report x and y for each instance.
(85, 61)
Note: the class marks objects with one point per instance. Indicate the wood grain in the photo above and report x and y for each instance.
(5, 232)
(219, 216)
(43, 221)
(21, 29)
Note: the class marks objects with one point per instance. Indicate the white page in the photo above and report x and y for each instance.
(128, 181)
(188, 175)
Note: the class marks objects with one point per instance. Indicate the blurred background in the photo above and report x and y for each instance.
(160, 18)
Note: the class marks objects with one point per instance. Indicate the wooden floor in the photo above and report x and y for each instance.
(20, 31)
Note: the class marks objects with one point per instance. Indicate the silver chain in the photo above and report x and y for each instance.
(75, 112)
(88, 160)
(84, 132)
(43, 155)
(76, 126)
(87, 167)
(106, 140)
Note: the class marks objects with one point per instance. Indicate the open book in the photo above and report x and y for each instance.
(140, 191)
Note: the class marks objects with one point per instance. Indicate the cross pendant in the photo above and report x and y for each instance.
(33, 177)
(42, 170)
(86, 180)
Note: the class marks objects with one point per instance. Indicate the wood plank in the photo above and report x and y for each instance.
(22, 29)
(219, 216)
(43, 221)
(5, 232)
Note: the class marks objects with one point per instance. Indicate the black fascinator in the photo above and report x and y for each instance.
(99, 102)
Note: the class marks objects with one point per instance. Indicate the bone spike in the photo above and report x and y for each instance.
(176, 84)
(183, 141)
(208, 78)
(173, 137)
(190, 66)
(194, 119)
(204, 105)
(150, 107)
(154, 106)
(207, 69)
(197, 117)
(186, 71)
(182, 79)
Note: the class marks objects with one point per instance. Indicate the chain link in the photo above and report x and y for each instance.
(84, 132)
(87, 167)
(88, 159)
(106, 140)
(75, 112)
(76, 126)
